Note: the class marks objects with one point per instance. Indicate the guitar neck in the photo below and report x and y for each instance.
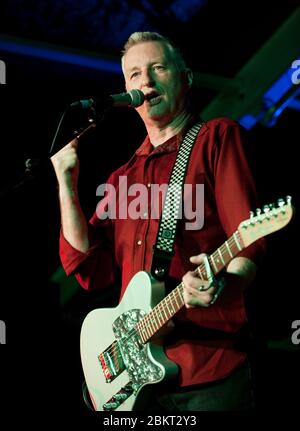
(173, 302)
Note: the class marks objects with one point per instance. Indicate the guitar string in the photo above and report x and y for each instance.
(150, 317)
(112, 350)
(232, 247)
(223, 248)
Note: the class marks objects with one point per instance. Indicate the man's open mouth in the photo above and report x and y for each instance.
(153, 98)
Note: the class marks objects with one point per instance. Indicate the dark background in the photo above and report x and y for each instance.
(41, 362)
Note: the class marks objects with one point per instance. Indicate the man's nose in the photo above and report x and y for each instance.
(147, 79)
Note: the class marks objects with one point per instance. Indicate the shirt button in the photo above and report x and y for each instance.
(149, 185)
(145, 215)
(139, 242)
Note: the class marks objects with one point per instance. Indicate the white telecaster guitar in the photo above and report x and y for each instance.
(121, 357)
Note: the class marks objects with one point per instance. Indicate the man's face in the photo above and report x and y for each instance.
(150, 67)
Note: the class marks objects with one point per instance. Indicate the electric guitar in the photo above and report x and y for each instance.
(121, 352)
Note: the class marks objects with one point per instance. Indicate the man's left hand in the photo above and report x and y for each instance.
(198, 292)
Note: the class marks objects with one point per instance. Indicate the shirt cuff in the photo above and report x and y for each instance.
(70, 257)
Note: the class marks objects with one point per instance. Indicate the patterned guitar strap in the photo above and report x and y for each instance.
(163, 250)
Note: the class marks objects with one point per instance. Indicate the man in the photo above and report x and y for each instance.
(213, 367)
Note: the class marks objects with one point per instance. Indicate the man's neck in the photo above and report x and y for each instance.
(159, 134)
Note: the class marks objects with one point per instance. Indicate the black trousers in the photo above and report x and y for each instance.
(233, 393)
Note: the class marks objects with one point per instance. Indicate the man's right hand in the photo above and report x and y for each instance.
(66, 165)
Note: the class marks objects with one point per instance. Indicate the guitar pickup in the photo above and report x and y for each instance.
(111, 362)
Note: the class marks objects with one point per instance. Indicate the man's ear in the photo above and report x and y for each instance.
(189, 77)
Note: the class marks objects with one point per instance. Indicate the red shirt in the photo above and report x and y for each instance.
(217, 161)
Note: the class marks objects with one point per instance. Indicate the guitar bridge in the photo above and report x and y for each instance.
(111, 362)
(119, 398)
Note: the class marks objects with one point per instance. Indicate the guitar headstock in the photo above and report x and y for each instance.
(267, 221)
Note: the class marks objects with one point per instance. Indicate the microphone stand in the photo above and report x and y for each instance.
(33, 166)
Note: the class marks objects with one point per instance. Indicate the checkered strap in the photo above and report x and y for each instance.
(164, 246)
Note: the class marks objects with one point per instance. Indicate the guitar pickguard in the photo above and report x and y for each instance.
(136, 355)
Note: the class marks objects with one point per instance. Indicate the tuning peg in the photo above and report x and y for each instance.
(258, 213)
(266, 209)
(273, 210)
(289, 200)
(251, 219)
(280, 202)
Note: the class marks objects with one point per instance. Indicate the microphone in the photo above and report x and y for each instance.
(133, 98)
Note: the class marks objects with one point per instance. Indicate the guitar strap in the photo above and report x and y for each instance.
(163, 249)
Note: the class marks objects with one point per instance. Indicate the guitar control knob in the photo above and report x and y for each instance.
(111, 406)
(120, 397)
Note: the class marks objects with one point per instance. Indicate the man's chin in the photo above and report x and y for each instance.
(156, 112)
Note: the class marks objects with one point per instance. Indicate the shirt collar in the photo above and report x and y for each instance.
(169, 146)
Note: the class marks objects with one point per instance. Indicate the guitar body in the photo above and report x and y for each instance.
(119, 370)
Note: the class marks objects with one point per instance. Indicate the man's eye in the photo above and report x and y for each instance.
(159, 67)
(134, 75)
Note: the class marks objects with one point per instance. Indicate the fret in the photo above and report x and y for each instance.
(149, 329)
(147, 332)
(146, 328)
(237, 241)
(217, 260)
(214, 264)
(158, 310)
(163, 307)
(171, 304)
(221, 256)
(201, 271)
(140, 334)
(150, 323)
(179, 297)
(154, 322)
(157, 313)
(228, 248)
(180, 291)
(226, 256)
(162, 313)
(175, 296)
(167, 304)
(233, 246)
(175, 303)
(148, 335)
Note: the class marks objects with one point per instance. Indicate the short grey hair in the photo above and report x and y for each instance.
(149, 36)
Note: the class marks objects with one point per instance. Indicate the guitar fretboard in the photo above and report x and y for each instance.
(174, 301)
